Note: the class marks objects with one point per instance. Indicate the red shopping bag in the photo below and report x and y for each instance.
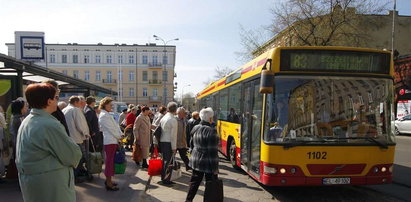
(155, 165)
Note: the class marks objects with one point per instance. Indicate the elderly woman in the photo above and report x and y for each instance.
(204, 152)
(142, 133)
(111, 135)
(45, 155)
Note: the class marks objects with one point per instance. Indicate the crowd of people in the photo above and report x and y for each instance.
(46, 141)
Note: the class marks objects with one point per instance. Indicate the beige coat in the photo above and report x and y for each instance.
(142, 130)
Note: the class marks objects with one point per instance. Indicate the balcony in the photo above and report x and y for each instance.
(109, 81)
(154, 82)
(155, 99)
(155, 65)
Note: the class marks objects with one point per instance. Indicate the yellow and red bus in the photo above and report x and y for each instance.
(308, 116)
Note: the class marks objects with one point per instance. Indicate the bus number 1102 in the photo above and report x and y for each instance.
(317, 155)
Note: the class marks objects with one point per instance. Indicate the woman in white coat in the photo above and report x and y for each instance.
(112, 134)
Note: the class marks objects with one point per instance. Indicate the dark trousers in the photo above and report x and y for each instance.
(166, 152)
(195, 181)
(183, 155)
(80, 167)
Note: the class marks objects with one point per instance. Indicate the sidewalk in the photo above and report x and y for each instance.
(237, 187)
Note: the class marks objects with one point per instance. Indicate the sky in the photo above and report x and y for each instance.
(208, 30)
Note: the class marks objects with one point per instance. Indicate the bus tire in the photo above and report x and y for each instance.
(233, 155)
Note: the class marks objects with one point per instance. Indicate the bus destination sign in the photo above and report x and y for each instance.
(335, 61)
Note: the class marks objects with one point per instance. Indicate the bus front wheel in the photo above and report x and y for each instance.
(233, 155)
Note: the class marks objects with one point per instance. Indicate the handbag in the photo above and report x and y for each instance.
(137, 153)
(95, 161)
(173, 171)
(214, 191)
(120, 156)
(155, 164)
(119, 168)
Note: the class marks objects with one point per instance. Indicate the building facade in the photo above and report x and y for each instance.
(141, 74)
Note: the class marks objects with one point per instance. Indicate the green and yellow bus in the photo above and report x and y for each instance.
(308, 116)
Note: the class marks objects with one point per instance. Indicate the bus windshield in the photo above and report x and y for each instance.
(329, 110)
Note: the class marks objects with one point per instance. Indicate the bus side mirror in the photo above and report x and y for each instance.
(267, 79)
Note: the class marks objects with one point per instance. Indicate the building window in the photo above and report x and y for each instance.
(145, 59)
(75, 58)
(165, 60)
(86, 59)
(52, 58)
(155, 92)
(120, 92)
(120, 59)
(155, 60)
(98, 75)
(165, 93)
(87, 75)
(165, 75)
(109, 76)
(65, 72)
(131, 92)
(145, 76)
(109, 59)
(131, 59)
(120, 75)
(98, 59)
(131, 75)
(64, 59)
(144, 92)
(75, 74)
(155, 75)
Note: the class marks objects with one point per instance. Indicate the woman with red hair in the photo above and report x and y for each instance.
(45, 155)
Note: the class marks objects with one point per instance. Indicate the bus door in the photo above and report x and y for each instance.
(251, 126)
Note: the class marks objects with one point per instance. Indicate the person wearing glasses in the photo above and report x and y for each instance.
(45, 155)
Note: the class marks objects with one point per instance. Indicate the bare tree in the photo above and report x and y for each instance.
(319, 23)
(219, 72)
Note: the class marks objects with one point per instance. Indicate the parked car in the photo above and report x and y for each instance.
(403, 125)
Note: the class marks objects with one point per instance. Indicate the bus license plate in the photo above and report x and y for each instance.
(339, 180)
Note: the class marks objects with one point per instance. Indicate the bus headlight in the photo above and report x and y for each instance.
(270, 170)
(282, 170)
(293, 170)
(375, 169)
(391, 168)
(383, 169)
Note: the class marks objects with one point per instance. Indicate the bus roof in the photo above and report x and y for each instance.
(255, 66)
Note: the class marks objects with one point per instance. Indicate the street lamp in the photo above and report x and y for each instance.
(182, 93)
(164, 65)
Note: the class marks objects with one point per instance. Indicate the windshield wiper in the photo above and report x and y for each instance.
(299, 143)
(370, 139)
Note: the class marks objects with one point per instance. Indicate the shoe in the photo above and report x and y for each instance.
(144, 166)
(113, 183)
(112, 188)
(78, 180)
(188, 168)
(167, 183)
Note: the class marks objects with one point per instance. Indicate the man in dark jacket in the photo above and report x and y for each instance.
(195, 119)
(92, 122)
(204, 152)
(58, 114)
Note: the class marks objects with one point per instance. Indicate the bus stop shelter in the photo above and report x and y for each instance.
(15, 74)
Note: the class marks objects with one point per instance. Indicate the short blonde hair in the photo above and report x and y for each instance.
(105, 101)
